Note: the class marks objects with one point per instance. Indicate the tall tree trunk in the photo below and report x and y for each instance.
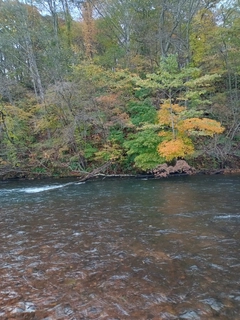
(89, 28)
(34, 72)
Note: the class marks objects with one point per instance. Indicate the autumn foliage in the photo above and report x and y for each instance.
(84, 82)
(177, 131)
(199, 126)
(169, 113)
(176, 148)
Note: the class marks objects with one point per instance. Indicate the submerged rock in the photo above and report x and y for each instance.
(167, 316)
(24, 307)
(189, 315)
(214, 304)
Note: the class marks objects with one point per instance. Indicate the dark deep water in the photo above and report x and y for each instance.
(121, 249)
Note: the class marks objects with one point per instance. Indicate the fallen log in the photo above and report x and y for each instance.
(96, 171)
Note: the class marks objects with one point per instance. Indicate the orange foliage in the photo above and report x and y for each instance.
(179, 144)
(205, 126)
(108, 100)
(179, 147)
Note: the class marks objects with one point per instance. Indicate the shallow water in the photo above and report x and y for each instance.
(121, 249)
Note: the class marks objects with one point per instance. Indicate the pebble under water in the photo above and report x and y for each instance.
(121, 249)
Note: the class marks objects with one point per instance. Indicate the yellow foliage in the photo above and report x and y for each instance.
(176, 138)
(204, 30)
(168, 113)
(165, 134)
(205, 126)
(13, 111)
(110, 151)
(180, 147)
(3, 162)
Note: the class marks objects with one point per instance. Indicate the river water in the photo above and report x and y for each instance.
(121, 249)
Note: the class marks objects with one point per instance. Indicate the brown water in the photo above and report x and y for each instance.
(121, 249)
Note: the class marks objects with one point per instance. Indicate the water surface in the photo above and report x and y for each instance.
(121, 249)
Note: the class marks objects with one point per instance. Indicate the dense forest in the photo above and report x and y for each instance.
(120, 85)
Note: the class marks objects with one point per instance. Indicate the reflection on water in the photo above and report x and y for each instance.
(123, 249)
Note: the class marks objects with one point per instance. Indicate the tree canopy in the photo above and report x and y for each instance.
(135, 82)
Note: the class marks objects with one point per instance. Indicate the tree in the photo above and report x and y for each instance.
(179, 121)
(135, 81)
(142, 142)
(215, 48)
(89, 30)
(181, 144)
(151, 29)
(16, 26)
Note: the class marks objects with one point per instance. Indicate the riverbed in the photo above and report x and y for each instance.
(121, 249)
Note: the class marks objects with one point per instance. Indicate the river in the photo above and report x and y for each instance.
(121, 249)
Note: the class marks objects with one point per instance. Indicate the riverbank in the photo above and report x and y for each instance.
(164, 172)
(200, 165)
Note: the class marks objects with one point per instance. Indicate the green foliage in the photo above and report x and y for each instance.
(142, 148)
(110, 151)
(142, 112)
(39, 170)
(116, 134)
(89, 151)
(186, 84)
(64, 109)
(143, 93)
(75, 166)
(142, 144)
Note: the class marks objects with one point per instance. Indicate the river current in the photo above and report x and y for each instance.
(121, 249)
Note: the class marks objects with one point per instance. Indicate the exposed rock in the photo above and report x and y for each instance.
(181, 167)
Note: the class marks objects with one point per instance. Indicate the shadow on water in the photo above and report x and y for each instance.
(121, 249)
